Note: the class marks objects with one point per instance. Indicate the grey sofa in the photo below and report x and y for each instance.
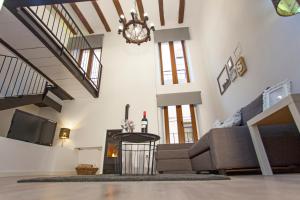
(231, 148)
(173, 158)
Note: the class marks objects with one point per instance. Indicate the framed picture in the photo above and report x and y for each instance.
(232, 74)
(276, 93)
(230, 63)
(223, 80)
(241, 67)
(231, 70)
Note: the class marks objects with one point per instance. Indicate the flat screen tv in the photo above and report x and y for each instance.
(31, 128)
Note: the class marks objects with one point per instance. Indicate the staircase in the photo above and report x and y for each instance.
(60, 39)
(21, 84)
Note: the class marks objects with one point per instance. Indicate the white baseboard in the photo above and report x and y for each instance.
(36, 173)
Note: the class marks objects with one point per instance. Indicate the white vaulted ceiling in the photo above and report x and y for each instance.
(171, 13)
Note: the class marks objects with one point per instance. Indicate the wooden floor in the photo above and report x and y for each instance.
(283, 187)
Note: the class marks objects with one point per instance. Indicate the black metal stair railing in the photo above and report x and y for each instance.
(17, 78)
(62, 28)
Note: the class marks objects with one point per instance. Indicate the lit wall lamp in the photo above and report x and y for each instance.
(1, 4)
(64, 134)
(287, 7)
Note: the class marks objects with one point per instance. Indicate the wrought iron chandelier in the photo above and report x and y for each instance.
(135, 30)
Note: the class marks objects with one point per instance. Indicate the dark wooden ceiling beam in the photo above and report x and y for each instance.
(101, 16)
(22, 3)
(140, 8)
(82, 18)
(181, 11)
(70, 27)
(118, 7)
(161, 12)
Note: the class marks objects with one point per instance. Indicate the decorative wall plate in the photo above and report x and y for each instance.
(241, 67)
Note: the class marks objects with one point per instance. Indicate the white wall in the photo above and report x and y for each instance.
(270, 45)
(23, 158)
(207, 111)
(128, 77)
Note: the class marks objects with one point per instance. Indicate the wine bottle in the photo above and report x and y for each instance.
(144, 123)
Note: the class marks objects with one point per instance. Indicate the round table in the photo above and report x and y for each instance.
(136, 153)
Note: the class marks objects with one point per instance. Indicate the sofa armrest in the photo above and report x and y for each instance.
(232, 148)
(200, 147)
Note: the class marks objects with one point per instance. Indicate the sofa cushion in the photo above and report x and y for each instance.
(172, 154)
(174, 165)
(252, 109)
(232, 148)
(173, 146)
(201, 146)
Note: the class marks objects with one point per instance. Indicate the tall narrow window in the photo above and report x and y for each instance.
(173, 61)
(95, 66)
(180, 124)
(84, 59)
(89, 63)
(173, 125)
(166, 64)
(181, 63)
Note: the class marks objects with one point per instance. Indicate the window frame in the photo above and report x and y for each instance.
(90, 60)
(180, 125)
(173, 62)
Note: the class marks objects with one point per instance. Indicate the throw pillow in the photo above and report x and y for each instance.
(234, 120)
(217, 124)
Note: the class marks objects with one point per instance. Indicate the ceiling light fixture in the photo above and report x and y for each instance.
(1, 3)
(136, 30)
(287, 7)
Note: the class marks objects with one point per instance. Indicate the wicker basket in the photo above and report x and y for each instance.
(84, 169)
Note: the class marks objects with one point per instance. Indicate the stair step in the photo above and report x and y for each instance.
(38, 100)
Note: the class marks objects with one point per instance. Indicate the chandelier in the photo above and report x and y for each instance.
(135, 30)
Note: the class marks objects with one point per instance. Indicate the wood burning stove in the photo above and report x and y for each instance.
(111, 152)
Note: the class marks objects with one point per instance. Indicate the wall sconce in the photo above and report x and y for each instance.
(287, 7)
(1, 3)
(64, 134)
